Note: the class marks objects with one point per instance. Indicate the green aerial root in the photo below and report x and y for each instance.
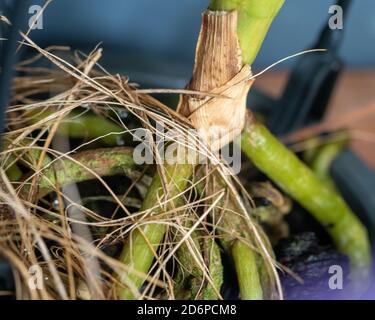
(190, 281)
(245, 261)
(323, 202)
(141, 246)
(87, 126)
(325, 155)
(14, 173)
(90, 126)
(254, 275)
(101, 162)
(84, 126)
(27, 154)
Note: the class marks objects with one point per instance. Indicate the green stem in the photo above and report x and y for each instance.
(14, 173)
(86, 126)
(91, 126)
(324, 157)
(29, 156)
(245, 262)
(253, 272)
(190, 275)
(254, 19)
(102, 162)
(326, 205)
(142, 244)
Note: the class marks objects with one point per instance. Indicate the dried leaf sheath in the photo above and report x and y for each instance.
(218, 69)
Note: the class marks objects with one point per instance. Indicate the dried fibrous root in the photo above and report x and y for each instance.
(102, 93)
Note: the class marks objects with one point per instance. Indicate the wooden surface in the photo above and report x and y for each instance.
(353, 104)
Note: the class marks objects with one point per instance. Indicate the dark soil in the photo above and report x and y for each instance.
(310, 261)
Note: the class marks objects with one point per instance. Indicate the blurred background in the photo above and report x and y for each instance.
(167, 29)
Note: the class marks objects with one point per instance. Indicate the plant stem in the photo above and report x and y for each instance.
(295, 178)
(139, 251)
(102, 162)
(237, 241)
(90, 126)
(254, 20)
(86, 126)
(324, 157)
(142, 244)
(190, 275)
(14, 173)
(248, 277)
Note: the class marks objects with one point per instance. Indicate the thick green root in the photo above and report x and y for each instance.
(90, 127)
(245, 261)
(101, 162)
(325, 204)
(190, 282)
(325, 155)
(254, 271)
(14, 173)
(28, 156)
(140, 249)
(86, 126)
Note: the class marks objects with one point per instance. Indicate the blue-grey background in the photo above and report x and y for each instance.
(161, 34)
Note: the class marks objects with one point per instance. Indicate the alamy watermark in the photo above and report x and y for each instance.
(172, 146)
(36, 280)
(36, 19)
(336, 280)
(336, 21)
